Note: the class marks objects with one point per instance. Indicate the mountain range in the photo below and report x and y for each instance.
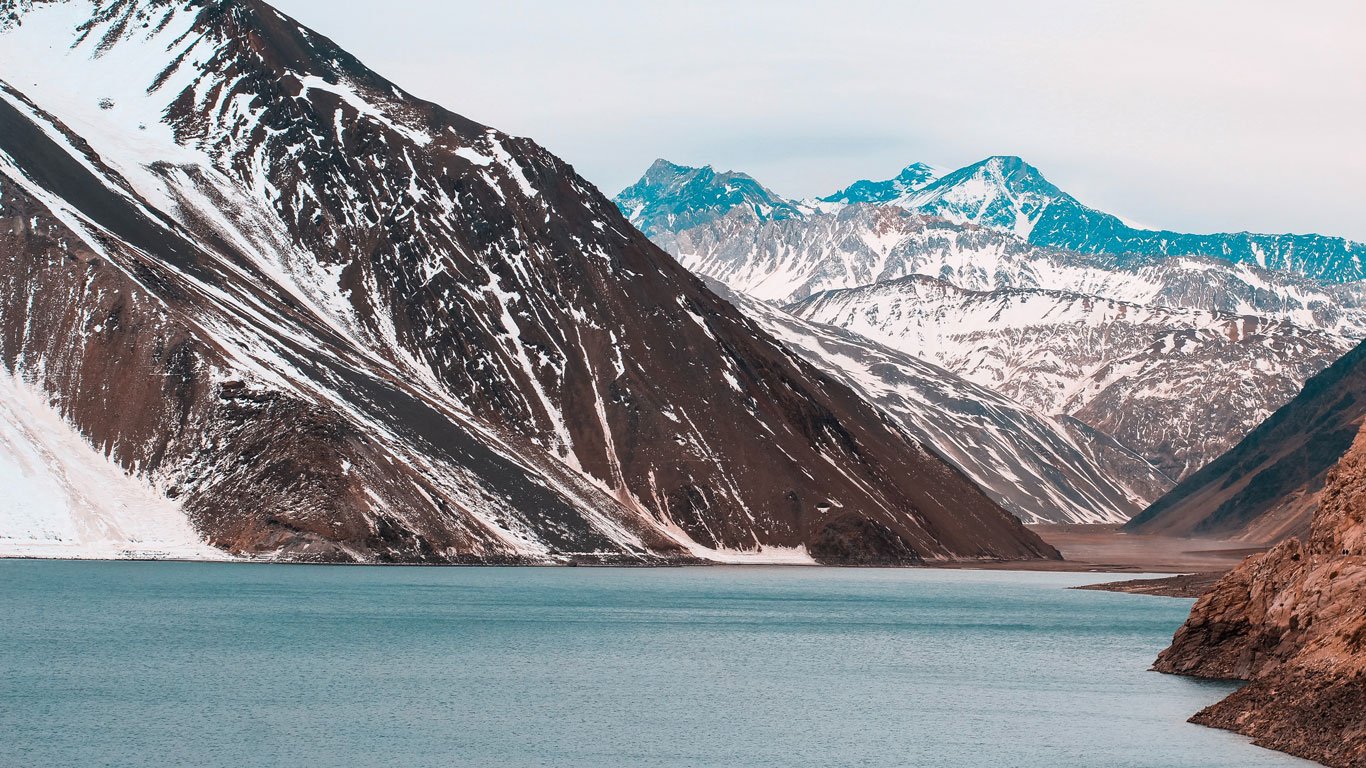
(324, 319)
(1043, 470)
(1176, 357)
(303, 314)
(673, 197)
(1128, 370)
(787, 260)
(1009, 195)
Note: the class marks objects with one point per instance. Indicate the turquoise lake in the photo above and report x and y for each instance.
(146, 664)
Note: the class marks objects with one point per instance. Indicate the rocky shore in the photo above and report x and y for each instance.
(1292, 622)
(1184, 585)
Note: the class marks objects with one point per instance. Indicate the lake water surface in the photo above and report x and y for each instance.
(137, 664)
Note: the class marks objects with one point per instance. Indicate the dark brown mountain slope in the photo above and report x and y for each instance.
(394, 333)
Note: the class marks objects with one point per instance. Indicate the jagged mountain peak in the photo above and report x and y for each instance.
(1007, 193)
(911, 178)
(1011, 166)
(1001, 192)
(1016, 174)
(665, 173)
(670, 197)
(661, 171)
(916, 170)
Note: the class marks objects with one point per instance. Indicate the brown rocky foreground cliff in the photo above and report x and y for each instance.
(1292, 622)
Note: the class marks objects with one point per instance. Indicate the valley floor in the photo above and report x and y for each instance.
(1107, 548)
(1197, 563)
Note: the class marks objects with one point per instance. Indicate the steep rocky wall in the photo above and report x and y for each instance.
(1293, 622)
(260, 470)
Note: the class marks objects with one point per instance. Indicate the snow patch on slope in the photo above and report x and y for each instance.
(1027, 462)
(65, 499)
(761, 555)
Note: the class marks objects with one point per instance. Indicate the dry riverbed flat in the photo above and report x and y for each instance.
(1108, 548)
(1195, 563)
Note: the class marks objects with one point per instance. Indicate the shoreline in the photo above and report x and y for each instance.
(1196, 565)
(1193, 563)
(1191, 585)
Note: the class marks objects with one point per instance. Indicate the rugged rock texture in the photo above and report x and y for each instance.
(289, 468)
(1177, 386)
(1293, 622)
(913, 177)
(1040, 469)
(336, 322)
(1266, 487)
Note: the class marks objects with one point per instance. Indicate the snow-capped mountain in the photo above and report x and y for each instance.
(1003, 193)
(911, 179)
(673, 197)
(978, 243)
(1008, 194)
(329, 320)
(1179, 386)
(1041, 469)
(787, 260)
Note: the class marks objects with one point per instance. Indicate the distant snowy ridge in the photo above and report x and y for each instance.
(947, 270)
(672, 197)
(1042, 470)
(790, 259)
(912, 178)
(1003, 193)
(1179, 386)
(1008, 195)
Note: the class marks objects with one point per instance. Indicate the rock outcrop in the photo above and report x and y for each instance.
(1293, 622)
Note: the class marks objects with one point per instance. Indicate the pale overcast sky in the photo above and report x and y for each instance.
(1200, 115)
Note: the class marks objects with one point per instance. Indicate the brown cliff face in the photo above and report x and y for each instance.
(1293, 622)
(262, 470)
(354, 325)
